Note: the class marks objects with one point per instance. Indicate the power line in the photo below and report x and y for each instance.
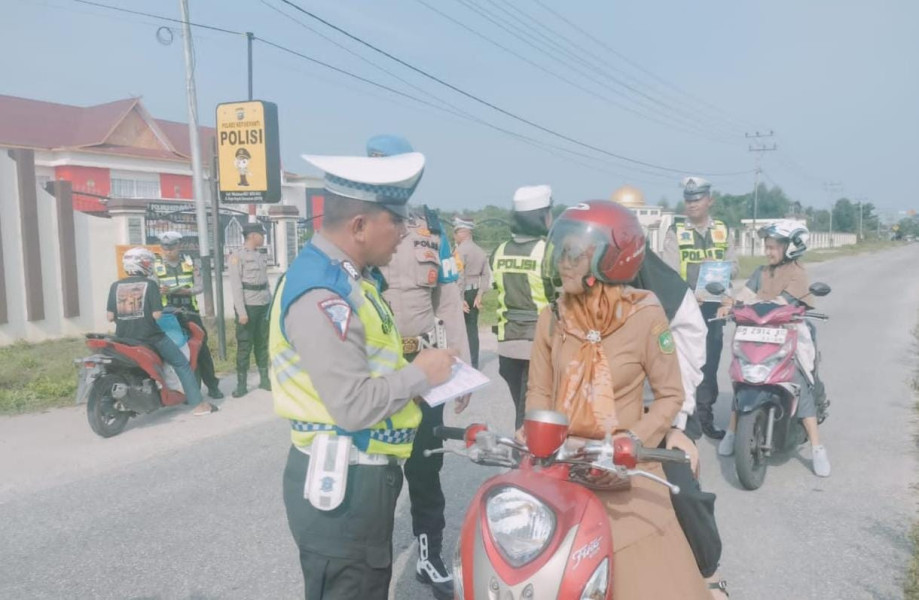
(161, 17)
(491, 105)
(633, 63)
(599, 66)
(522, 35)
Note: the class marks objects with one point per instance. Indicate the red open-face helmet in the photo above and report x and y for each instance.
(609, 231)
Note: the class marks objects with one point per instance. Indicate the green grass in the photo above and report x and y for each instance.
(36, 377)
(911, 582)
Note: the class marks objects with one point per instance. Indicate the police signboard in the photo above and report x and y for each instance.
(248, 152)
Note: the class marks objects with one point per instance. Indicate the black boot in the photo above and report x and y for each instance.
(708, 425)
(264, 381)
(430, 568)
(241, 389)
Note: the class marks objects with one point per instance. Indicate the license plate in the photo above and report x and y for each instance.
(767, 335)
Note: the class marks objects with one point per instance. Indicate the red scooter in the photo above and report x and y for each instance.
(125, 378)
(537, 531)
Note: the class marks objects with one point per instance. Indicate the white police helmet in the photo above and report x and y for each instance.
(170, 239)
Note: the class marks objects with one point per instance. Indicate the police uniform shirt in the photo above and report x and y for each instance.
(174, 270)
(671, 251)
(474, 270)
(249, 267)
(331, 346)
(415, 292)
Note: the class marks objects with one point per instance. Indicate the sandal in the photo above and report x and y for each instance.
(721, 586)
(213, 409)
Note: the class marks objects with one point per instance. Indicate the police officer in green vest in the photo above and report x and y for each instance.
(516, 267)
(180, 283)
(688, 245)
(339, 377)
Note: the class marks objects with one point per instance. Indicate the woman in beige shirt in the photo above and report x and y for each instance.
(593, 350)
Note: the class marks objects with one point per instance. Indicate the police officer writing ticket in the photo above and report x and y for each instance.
(464, 380)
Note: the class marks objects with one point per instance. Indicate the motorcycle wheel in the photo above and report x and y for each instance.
(749, 457)
(103, 417)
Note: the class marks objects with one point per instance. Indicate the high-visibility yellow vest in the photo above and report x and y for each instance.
(295, 398)
(185, 276)
(714, 245)
(519, 303)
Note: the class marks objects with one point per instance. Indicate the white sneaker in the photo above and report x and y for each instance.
(821, 461)
(726, 445)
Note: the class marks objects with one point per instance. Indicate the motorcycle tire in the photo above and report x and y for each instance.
(104, 419)
(749, 456)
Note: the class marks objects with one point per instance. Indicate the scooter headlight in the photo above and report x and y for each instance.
(520, 525)
(755, 373)
(596, 586)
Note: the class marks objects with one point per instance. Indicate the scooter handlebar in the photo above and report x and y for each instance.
(661, 455)
(449, 433)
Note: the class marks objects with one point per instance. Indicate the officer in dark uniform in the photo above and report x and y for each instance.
(422, 289)
(251, 298)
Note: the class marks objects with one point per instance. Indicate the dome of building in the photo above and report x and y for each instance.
(628, 196)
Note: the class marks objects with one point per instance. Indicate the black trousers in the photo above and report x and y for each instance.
(707, 392)
(205, 360)
(516, 372)
(345, 553)
(423, 476)
(252, 337)
(472, 325)
(695, 510)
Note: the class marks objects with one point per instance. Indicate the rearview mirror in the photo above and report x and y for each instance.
(819, 289)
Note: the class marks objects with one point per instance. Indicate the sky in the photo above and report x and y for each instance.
(670, 83)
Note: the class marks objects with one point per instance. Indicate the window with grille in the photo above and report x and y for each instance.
(134, 188)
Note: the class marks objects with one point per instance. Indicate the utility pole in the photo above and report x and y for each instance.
(861, 204)
(832, 187)
(204, 247)
(758, 146)
(249, 38)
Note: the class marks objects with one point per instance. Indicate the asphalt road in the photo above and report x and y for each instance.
(190, 508)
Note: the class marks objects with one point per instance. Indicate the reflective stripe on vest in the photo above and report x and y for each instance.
(297, 400)
(529, 265)
(690, 253)
(185, 277)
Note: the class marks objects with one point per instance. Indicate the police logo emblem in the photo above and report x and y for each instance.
(685, 236)
(326, 485)
(339, 313)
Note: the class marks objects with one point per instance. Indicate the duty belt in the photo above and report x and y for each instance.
(472, 286)
(362, 458)
(255, 287)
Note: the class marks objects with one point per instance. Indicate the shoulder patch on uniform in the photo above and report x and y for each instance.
(432, 276)
(339, 313)
(665, 342)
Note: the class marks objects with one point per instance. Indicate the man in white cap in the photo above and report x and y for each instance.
(474, 279)
(688, 244)
(516, 267)
(339, 377)
(426, 300)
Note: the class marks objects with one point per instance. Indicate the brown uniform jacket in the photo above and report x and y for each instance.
(635, 351)
(415, 294)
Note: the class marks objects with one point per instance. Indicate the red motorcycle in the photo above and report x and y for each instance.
(537, 531)
(125, 378)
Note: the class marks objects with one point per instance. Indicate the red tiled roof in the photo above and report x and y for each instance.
(47, 125)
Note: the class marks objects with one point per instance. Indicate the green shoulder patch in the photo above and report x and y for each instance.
(665, 341)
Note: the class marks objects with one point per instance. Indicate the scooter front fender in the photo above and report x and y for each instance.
(749, 398)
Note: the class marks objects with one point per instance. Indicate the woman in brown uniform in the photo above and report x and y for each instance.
(594, 348)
